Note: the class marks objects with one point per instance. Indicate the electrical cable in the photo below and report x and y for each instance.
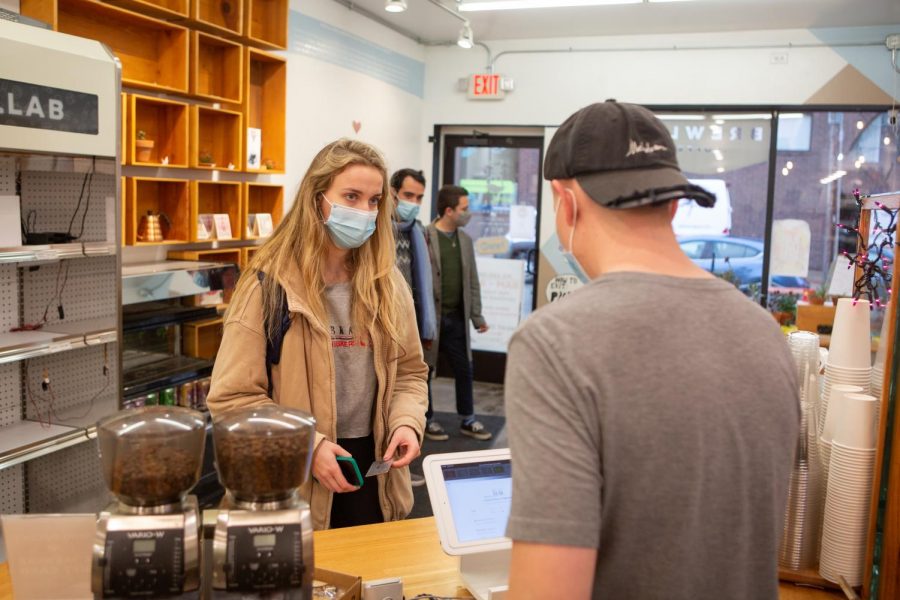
(62, 271)
(49, 400)
(87, 201)
(88, 176)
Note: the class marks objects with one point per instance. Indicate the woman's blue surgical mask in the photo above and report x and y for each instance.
(407, 211)
(349, 227)
(577, 270)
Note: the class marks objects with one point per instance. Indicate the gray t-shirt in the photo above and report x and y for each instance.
(655, 418)
(354, 367)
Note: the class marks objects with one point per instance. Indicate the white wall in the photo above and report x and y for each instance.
(549, 87)
(324, 99)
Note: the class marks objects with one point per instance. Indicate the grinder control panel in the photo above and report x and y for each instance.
(264, 557)
(143, 563)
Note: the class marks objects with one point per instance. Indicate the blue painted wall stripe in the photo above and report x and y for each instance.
(317, 39)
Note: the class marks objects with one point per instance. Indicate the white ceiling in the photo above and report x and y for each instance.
(430, 24)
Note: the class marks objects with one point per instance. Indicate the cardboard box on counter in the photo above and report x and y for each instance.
(350, 585)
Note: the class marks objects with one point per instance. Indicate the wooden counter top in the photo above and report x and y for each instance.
(410, 550)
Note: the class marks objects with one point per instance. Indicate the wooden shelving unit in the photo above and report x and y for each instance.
(165, 9)
(169, 197)
(265, 89)
(123, 153)
(163, 121)
(216, 132)
(201, 339)
(247, 253)
(217, 68)
(216, 197)
(262, 198)
(265, 23)
(154, 53)
(220, 16)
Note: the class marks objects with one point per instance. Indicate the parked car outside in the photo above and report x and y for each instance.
(743, 256)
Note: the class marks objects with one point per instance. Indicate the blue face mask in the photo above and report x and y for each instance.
(577, 270)
(407, 211)
(349, 227)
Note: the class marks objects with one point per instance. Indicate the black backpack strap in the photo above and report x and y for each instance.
(275, 340)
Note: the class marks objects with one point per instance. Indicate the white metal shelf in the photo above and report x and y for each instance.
(59, 337)
(26, 440)
(53, 252)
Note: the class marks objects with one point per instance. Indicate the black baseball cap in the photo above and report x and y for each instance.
(622, 156)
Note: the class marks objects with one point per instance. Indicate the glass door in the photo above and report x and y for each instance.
(503, 177)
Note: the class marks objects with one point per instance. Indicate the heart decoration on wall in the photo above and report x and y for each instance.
(357, 126)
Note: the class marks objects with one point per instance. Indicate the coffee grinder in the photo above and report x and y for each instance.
(262, 545)
(147, 543)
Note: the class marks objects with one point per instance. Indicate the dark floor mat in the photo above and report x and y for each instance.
(457, 443)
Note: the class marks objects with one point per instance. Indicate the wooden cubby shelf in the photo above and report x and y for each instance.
(216, 197)
(265, 23)
(165, 123)
(165, 9)
(166, 197)
(216, 135)
(219, 16)
(265, 90)
(247, 253)
(262, 198)
(154, 53)
(217, 68)
(201, 339)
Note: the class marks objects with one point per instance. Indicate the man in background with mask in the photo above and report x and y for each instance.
(408, 189)
(457, 298)
(658, 403)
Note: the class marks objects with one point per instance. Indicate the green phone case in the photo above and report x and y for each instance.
(350, 470)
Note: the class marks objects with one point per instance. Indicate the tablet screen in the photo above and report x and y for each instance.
(479, 494)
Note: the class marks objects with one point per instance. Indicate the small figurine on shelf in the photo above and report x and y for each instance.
(269, 164)
(143, 146)
(206, 159)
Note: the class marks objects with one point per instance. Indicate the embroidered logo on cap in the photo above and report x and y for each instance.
(643, 148)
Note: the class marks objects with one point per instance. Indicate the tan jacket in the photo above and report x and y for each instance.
(305, 380)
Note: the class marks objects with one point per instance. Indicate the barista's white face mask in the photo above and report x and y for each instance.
(568, 254)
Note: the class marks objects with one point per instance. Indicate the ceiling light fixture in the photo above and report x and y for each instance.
(465, 39)
(483, 5)
(395, 6)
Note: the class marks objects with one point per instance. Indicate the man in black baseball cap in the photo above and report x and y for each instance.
(657, 402)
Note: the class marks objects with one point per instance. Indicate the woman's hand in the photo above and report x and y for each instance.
(404, 443)
(325, 467)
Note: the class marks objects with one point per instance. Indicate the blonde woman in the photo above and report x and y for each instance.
(351, 354)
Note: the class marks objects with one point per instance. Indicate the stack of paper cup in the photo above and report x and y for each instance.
(837, 395)
(849, 491)
(850, 352)
(881, 356)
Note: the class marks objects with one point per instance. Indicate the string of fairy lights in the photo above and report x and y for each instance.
(874, 259)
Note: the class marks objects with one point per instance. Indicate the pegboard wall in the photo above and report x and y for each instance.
(89, 293)
(53, 196)
(70, 481)
(76, 378)
(7, 176)
(9, 297)
(10, 398)
(12, 490)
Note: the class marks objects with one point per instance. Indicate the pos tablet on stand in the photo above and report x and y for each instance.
(470, 494)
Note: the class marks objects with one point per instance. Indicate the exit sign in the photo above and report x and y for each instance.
(486, 86)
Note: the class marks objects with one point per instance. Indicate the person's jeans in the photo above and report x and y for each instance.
(452, 345)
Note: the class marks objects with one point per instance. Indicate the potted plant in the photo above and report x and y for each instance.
(731, 277)
(206, 159)
(143, 146)
(817, 296)
(783, 308)
(269, 164)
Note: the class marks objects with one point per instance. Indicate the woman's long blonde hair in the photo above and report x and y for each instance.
(300, 240)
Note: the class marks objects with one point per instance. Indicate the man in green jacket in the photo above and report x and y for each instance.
(457, 298)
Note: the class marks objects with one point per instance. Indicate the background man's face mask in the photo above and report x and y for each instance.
(463, 217)
(407, 211)
(349, 227)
